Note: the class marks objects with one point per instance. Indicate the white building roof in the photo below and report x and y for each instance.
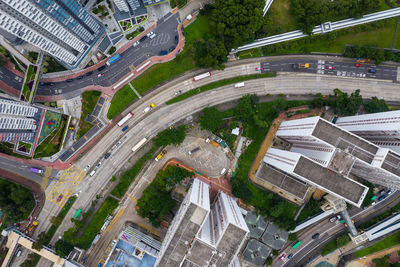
(200, 194)
(300, 127)
(233, 214)
(281, 159)
(383, 121)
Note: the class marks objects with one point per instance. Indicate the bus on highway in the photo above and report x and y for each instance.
(77, 213)
(125, 119)
(113, 59)
(201, 76)
(296, 245)
(373, 198)
(138, 145)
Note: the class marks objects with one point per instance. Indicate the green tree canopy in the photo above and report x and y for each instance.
(171, 136)
(210, 119)
(63, 248)
(41, 240)
(376, 105)
(347, 105)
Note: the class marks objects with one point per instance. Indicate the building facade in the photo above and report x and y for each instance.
(61, 28)
(202, 234)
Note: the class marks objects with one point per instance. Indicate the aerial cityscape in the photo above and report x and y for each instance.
(194, 133)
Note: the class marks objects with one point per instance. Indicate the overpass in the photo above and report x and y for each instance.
(320, 29)
(16, 239)
(385, 227)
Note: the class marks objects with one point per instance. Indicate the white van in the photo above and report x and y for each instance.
(92, 173)
(223, 171)
(239, 85)
(19, 252)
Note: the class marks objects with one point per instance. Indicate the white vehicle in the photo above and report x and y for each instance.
(92, 173)
(19, 252)
(223, 171)
(138, 145)
(86, 168)
(152, 36)
(189, 17)
(136, 44)
(239, 85)
(333, 219)
(98, 164)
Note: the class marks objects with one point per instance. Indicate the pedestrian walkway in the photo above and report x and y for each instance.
(134, 90)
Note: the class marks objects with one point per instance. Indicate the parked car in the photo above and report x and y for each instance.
(69, 80)
(143, 38)
(372, 70)
(100, 75)
(136, 44)
(389, 192)
(172, 48)
(163, 52)
(149, 34)
(176, 39)
(381, 192)
(51, 84)
(290, 256)
(42, 83)
(87, 168)
(153, 35)
(357, 65)
(330, 67)
(79, 77)
(259, 68)
(382, 197)
(101, 68)
(89, 73)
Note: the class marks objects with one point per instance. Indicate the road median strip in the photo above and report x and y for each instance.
(218, 84)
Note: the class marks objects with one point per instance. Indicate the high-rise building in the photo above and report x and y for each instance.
(121, 5)
(382, 129)
(333, 159)
(153, 2)
(202, 234)
(61, 28)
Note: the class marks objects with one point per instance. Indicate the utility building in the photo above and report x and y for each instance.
(202, 234)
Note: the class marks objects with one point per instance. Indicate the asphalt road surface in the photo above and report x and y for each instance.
(10, 78)
(340, 67)
(166, 30)
(21, 169)
(308, 248)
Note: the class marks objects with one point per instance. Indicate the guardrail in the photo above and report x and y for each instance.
(325, 27)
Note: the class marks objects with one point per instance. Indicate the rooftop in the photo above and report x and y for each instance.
(256, 252)
(274, 236)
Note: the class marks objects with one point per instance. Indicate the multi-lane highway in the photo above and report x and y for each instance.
(166, 30)
(335, 66)
(309, 247)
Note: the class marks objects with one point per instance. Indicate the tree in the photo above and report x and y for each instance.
(376, 105)
(56, 221)
(171, 136)
(268, 261)
(347, 105)
(210, 53)
(30, 260)
(210, 119)
(292, 237)
(63, 248)
(343, 240)
(42, 240)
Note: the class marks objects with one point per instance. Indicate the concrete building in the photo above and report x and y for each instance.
(153, 2)
(19, 121)
(121, 5)
(202, 234)
(333, 159)
(382, 129)
(61, 28)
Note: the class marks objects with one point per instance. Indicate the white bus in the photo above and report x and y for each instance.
(201, 76)
(125, 119)
(138, 145)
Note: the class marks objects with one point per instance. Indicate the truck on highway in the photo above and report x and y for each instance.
(239, 85)
(159, 156)
(150, 107)
(36, 170)
(300, 66)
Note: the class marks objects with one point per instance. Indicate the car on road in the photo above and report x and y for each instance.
(149, 34)
(172, 48)
(333, 219)
(382, 197)
(42, 83)
(163, 52)
(69, 80)
(51, 84)
(124, 129)
(152, 35)
(98, 164)
(178, 92)
(372, 70)
(389, 192)
(79, 77)
(59, 197)
(290, 256)
(373, 203)
(106, 156)
(283, 257)
(143, 39)
(357, 65)
(159, 156)
(101, 68)
(118, 143)
(136, 44)
(176, 39)
(330, 67)
(259, 68)
(100, 75)
(87, 168)
(150, 107)
(89, 73)
(315, 236)
(381, 192)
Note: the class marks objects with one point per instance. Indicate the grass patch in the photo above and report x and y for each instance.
(120, 101)
(283, 20)
(255, 52)
(30, 76)
(7, 148)
(96, 223)
(312, 208)
(388, 242)
(61, 215)
(52, 65)
(218, 84)
(376, 34)
(52, 143)
(196, 30)
(128, 176)
(89, 100)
